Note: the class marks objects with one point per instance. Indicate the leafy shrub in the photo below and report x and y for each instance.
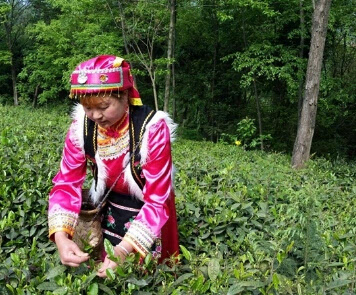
(248, 223)
(245, 135)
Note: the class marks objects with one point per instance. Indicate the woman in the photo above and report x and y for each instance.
(128, 146)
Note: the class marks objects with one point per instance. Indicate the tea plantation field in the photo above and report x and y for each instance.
(248, 223)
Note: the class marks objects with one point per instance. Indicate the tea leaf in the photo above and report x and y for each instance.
(61, 291)
(105, 289)
(182, 278)
(109, 248)
(140, 283)
(213, 269)
(93, 289)
(186, 253)
(110, 274)
(47, 286)
(338, 284)
(56, 271)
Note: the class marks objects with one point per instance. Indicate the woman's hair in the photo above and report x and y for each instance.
(94, 100)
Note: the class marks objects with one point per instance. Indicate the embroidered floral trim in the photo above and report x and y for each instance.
(140, 237)
(156, 253)
(138, 247)
(123, 207)
(98, 71)
(128, 224)
(105, 231)
(60, 219)
(110, 220)
(111, 148)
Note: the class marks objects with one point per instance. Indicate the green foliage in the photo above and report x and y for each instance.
(245, 49)
(246, 135)
(5, 57)
(248, 223)
(271, 62)
(58, 46)
(246, 129)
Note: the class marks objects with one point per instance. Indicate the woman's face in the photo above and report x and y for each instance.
(106, 110)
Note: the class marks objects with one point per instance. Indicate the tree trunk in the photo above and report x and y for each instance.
(35, 96)
(215, 54)
(258, 108)
(14, 82)
(343, 60)
(302, 145)
(169, 55)
(174, 107)
(122, 20)
(174, 111)
(124, 37)
(301, 54)
(153, 82)
(155, 96)
(258, 104)
(216, 49)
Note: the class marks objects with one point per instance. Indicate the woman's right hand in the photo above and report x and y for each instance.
(69, 251)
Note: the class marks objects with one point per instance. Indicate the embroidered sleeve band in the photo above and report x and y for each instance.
(140, 237)
(60, 219)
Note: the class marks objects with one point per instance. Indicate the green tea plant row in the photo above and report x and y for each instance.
(248, 223)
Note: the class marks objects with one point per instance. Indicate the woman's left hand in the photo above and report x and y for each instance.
(110, 264)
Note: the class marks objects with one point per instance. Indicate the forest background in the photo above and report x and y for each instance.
(226, 70)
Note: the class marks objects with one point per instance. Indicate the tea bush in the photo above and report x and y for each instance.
(248, 223)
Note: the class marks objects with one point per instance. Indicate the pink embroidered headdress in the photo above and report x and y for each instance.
(103, 74)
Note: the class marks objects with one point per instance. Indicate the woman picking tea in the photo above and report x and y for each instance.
(128, 146)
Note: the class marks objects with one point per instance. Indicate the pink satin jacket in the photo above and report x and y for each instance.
(112, 154)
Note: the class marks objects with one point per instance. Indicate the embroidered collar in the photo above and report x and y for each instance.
(117, 130)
